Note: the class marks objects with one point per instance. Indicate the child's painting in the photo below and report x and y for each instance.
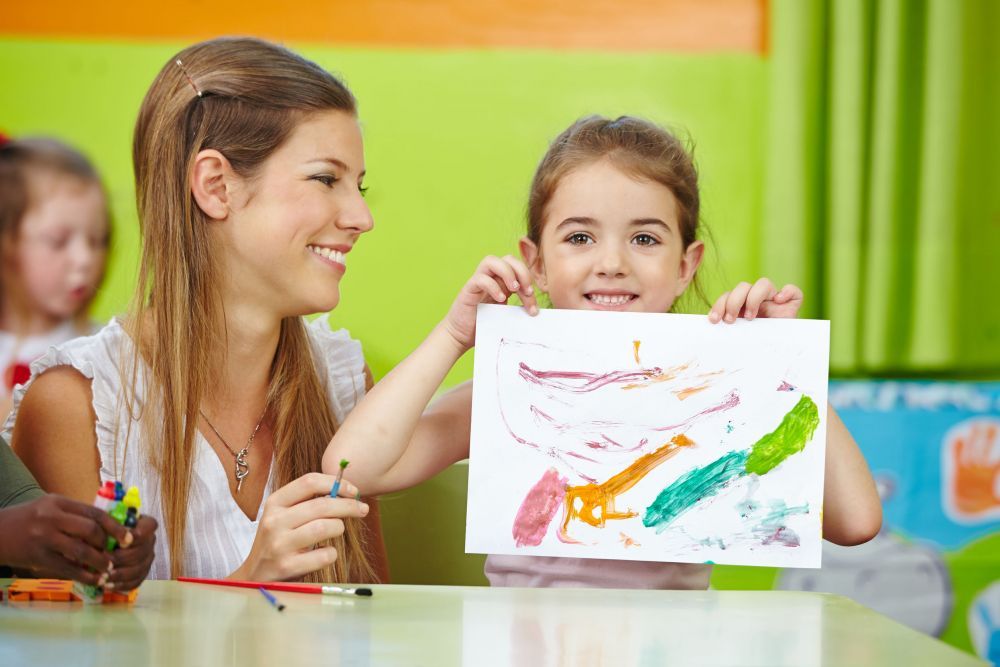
(648, 437)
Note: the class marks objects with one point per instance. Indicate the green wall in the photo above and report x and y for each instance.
(452, 138)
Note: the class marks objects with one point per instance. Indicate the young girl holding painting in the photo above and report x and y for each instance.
(612, 225)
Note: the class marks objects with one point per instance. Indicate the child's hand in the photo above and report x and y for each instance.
(297, 517)
(59, 538)
(494, 281)
(132, 561)
(760, 299)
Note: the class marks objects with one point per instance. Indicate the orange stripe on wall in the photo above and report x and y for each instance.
(628, 25)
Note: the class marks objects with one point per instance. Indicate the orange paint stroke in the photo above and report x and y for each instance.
(681, 394)
(656, 378)
(628, 541)
(594, 497)
(635, 350)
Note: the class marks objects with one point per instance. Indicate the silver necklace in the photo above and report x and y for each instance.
(242, 467)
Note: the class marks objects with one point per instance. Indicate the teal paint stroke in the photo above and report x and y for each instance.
(693, 486)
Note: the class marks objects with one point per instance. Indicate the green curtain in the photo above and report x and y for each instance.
(882, 186)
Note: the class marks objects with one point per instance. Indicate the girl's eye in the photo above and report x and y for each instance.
(644, 239)
(363, 189)
(325, 179)
(579, 238)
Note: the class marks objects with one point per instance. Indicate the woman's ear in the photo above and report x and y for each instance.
(690, 261)
(210, 178)
(533, 259)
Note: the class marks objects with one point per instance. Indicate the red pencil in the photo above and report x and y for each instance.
(316, 589)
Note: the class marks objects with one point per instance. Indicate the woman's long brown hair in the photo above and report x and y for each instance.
(242, 97)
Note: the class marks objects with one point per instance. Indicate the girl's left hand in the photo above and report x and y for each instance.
(758, 300)
(496, 279)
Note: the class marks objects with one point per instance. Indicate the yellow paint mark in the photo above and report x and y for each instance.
(635, 350)
(594, 504)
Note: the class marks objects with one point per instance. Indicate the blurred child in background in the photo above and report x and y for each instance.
(54, 227)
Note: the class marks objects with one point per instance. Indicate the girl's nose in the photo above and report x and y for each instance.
(611, 263)
(84, 253)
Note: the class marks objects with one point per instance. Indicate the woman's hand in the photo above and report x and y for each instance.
(757, 300)
(59, 538)
(297, 517)
(495, 280)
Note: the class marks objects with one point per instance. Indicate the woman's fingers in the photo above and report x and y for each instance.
(323, 507)
(310, 560)
(313, 533)
(308, 487)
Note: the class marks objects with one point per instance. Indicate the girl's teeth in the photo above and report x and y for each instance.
(328, 253)
(608, 300)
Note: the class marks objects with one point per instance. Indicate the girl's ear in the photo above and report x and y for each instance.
(690, 261)
(533, 259)
(210, 178)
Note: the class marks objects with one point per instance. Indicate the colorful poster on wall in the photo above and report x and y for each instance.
(651, 437)
(934, 448)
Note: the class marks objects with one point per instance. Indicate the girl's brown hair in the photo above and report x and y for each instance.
(638, 147)
(22, 162)
(242, 97)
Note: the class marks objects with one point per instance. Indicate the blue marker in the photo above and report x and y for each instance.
(340, 476)
(273, 600)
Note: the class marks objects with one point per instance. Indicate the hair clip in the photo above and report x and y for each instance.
(188, 77)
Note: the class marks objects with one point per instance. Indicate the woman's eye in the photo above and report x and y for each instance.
(363, 189)
(644, 239)
(580, 239)
(325, 179)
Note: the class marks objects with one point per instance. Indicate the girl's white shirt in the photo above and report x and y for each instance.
(219, 534)
(25, 349)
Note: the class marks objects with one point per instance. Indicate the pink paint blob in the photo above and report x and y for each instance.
(539, 507)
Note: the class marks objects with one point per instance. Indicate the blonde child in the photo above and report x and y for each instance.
(612, 225)
(54, 225)
(213, 395)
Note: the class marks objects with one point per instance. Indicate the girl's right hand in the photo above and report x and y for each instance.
(495, 280)
(297, 517)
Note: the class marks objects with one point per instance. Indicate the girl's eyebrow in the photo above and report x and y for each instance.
(656, 222)
(578, 221)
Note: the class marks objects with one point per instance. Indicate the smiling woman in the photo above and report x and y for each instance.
(214, 396)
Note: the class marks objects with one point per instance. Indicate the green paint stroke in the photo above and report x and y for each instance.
(791, 436)
(692, 487)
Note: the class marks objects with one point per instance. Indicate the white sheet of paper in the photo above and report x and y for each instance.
(643, 436)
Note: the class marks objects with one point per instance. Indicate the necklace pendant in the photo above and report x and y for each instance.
(242, 468)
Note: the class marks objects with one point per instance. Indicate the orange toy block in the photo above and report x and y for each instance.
(54, 590)
(128, 598)
(58, 590)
